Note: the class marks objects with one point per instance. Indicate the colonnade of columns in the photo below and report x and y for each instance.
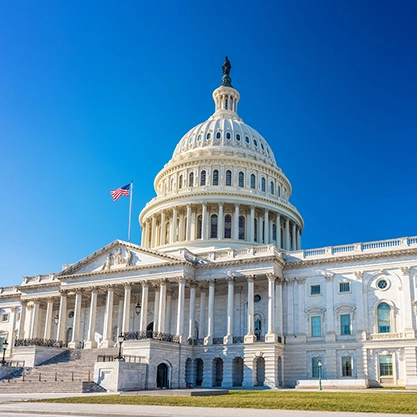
(162, 314)
(207, 221)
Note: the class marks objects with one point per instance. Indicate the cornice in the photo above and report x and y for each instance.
(27, 287)
(10, 296)
(245, 261)
(345, 259)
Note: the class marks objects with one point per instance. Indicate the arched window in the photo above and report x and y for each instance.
(241, 228)
(213, 228)
(167, 233)
(228, 177)
(241, 179)
(271, 188)
(215, 177)
(263, 184)
(203, 178)
(199, 226)
(228, 226)
(180, 182)
(255, 228)
(258, 327)
(279, 191)
(252, 181)
(274, 232)
(384, 318)
(191, 180)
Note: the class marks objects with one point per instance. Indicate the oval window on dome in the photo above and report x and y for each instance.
(218, 135)
(208, 136)
(237, 137)
(255, 142)
(262, 146)
(191, 139)
(199, 138)
(228, 136)
(247, 139)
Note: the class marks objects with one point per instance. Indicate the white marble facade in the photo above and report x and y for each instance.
(226, 295)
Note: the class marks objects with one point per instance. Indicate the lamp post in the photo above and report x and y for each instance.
(120, 339)
(56, 320)
(137, 309)
(319, 364)
(5, 344)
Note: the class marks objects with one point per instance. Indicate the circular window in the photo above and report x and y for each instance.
(382, 284)
(71, 314)
(257, 298)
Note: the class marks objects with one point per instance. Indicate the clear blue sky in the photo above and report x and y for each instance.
(95, 94)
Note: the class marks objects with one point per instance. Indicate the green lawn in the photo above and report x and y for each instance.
(377, 402)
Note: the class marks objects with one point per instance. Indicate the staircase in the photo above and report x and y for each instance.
(70, 371)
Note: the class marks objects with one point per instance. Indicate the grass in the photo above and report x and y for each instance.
(371, 402)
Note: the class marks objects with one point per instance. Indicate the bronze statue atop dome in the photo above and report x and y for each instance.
(227, 66)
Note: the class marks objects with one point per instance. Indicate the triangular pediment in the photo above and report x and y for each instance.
(117, 256)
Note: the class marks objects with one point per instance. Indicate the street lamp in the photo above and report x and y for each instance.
(120, 339)
(56, 319)
(137, 309)
(319, 364)
(5, 344)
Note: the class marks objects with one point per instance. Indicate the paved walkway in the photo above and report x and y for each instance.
(16, 405)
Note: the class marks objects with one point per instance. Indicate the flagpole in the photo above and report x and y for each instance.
(130, 211)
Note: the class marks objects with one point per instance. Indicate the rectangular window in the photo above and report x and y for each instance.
(385, 365)
(344, 286)
(316, 326)
(315, 368)
(346, 366)
(315, 289)
(5, 317)
(345, 324)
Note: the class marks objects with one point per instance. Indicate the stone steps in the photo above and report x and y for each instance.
(69, 371)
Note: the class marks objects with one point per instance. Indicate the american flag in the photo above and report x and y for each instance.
(116, 194)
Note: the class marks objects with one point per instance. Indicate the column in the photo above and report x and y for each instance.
(13, 314)
(287, 234)
(163, 229)
(34, 320)
(201, 328)
(251, 228)
(188, 231)
(162, 305)
(331, 334)
(153, 232)
(250, 336)
(145, 244)
(180, 310)
(75, 341)
(126, 307)
(21, 330)
(301, 308)
(181, 231)
(271, 336)
(260, 237)
(266, 227)
(119, 317)
(290, 307)
(278, 221)
(168, 311)
(108, 318)
(91, 333)
(294, 242)
(279, 319)
(409, 332)
(208, 340)
(298, 238)
(144, 309)
(204, 222)
(236, 223)
(220, 223)
(62, 315)
(271, 231)
(156, 308)
(228, 339)
(191, 321)
(173, 226)
(48, 319)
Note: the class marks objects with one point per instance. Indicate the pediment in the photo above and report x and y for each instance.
(117, 256)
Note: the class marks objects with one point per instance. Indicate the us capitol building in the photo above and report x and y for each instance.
(220, 293)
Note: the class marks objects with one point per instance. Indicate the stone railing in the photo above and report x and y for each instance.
(126, 358)
(40, 342)
(353, 249)
(163, 337)
(221, 255)
(385, 336)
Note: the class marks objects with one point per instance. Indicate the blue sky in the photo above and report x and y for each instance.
(95, 94)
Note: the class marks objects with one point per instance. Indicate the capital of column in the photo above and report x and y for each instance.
(13, 309)
(110, 287)
(127, 285)
(329, 276)
(156, 286)
(271, 277)
(231, 279)
(211, 282)
(203, 287)
(163, 281)
(251, 278)
(24, 302)
(221, 204)
(94, 288)
(144, 284)
(301, 280)
(79, 290)
(63, 293)
(181, 279)
(193, 284)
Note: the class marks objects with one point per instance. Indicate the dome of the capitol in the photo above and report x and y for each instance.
(221, 188)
